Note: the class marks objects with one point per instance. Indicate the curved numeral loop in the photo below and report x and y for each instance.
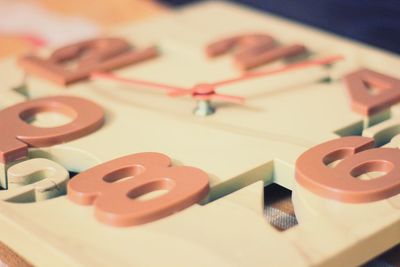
(358, 157)
(359, 84)
(253, 50)
(16, 134)
(35, 180)
(115, 197)
(101, 54)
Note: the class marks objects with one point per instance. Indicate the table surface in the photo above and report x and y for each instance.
(107, 14)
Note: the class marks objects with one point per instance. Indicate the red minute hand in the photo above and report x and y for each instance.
(202, 92)
(147, 84)
(252, 75)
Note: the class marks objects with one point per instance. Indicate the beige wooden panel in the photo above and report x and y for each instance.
(237, 146)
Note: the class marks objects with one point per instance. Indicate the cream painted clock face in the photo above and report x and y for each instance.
(205, 136)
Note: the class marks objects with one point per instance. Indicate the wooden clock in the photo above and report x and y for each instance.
(151, 146)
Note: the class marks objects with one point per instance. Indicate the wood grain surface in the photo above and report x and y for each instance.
(10, 258)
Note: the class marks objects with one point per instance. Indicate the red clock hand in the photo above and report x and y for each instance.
(301, 65)
(147, 84)
(201, 92)
(207, 92)
(252, 75)
(228, 98)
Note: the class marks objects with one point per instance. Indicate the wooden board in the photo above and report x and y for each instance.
(242, 149)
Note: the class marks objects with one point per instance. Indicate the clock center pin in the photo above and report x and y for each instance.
(202, 93)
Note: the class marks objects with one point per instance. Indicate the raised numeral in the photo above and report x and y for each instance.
(16, 134)
(77, 61)
(35, 180)
(115, 187)
(363, 99)
(253, 50)
(357, 157)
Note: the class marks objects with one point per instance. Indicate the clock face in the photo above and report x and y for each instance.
(250, 133)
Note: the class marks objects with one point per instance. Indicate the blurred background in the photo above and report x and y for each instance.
(33, 23)
(376, 22)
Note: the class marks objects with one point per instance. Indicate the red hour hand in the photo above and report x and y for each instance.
(304, 64)
(199, 92)
(251, 75)
(147, 84)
